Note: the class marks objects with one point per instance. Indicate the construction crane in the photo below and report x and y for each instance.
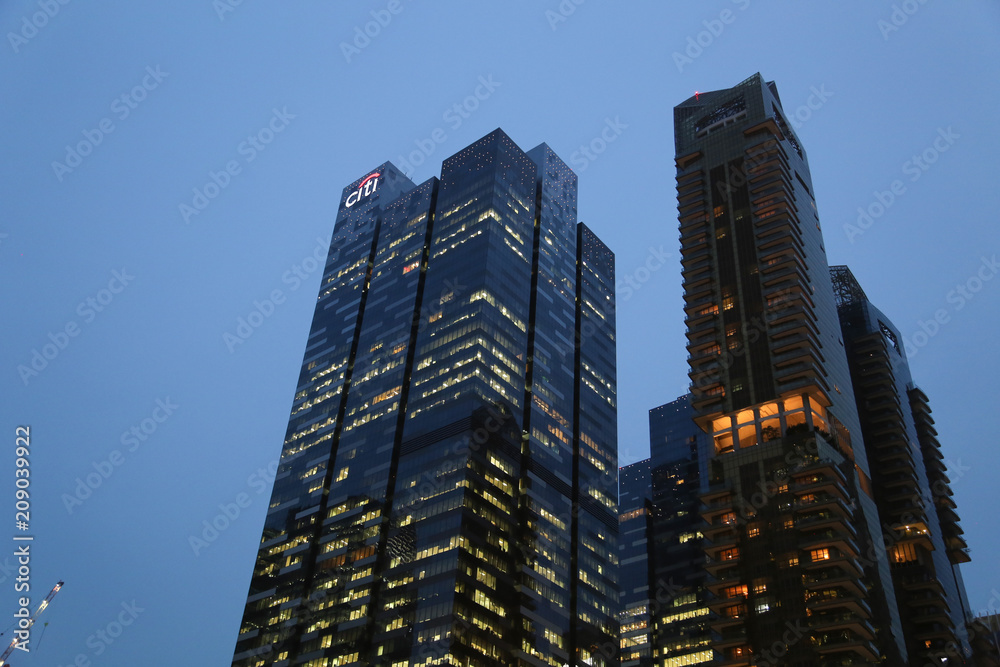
(31, 621)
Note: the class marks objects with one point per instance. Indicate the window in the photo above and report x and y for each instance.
(819, 554)
(903, 553)
(729, 554)
(734, 591)
(753, 531)
(735, 611)
(727, 301)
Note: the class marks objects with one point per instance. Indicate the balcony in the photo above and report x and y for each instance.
(920, 582)
(721, 535)
(825, 520)
(724, 579)
(844, 642)
(823, 503)
(856, 624)
(715, 567)
(852, 603)
(795, 323)
(824, 477)
(830, 538)
(803, 351)
(843, 562)
(931, 614)
(733, 637)
(846, 581)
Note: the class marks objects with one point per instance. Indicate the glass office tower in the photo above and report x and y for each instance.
(792, 530)
(634, 532)
(912, 488)
(679, 450)
(448, 483)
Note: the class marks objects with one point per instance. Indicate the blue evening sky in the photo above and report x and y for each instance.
(141, 103)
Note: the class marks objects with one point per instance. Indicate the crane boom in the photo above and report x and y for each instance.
(31, 621)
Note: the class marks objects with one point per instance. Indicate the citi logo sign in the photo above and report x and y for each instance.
(367, 187)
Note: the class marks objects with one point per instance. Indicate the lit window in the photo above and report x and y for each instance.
(819, 554)
(735, 591)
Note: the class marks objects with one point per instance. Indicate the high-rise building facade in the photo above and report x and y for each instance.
(680, 611)
(634, 532)
(448, 483)
(793, 535)
(910, 481)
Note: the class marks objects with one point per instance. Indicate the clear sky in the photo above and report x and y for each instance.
(269, 109)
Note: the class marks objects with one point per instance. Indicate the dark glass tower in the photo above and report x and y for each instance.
(448, 483)
(792, 534)
(634, 532)
(910, 480)
(681, 634)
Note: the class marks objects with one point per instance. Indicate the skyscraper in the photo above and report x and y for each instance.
(448, 483)
(910, 481)
(678, 449)
(634, 532)
(793, 531)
